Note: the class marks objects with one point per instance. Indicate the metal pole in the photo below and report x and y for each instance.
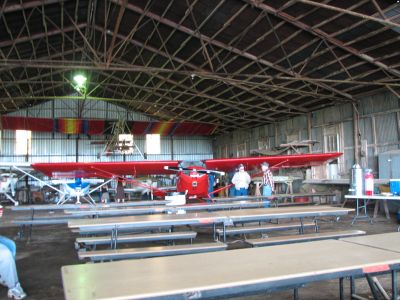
(394, 285)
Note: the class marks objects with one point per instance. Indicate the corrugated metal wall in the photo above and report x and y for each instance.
(57, 147)
(379, 124)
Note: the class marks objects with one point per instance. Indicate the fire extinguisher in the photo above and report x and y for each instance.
(369, 182)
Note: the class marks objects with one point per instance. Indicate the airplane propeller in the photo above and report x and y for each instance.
(200, 171)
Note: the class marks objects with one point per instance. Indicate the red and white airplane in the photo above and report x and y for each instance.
(192, 180)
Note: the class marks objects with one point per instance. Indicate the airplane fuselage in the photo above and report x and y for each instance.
(195, 185)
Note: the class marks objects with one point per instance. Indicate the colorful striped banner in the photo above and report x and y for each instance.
(70, 126)
(99, 127)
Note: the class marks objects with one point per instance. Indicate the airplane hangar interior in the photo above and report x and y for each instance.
(198, 149)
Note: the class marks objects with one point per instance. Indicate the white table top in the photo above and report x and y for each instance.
(377, 197)
(210, 217)
(388, 241)
(223, 271)
(201, 217)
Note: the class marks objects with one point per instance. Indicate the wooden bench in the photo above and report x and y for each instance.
(262, 229)
(129, 253)
(135, 238)
(289, 239)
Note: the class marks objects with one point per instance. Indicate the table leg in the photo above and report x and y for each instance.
(394, 285)
(296, 294)
(341, 293)
(361, 211)
(385, 206)
(352, 287)
(372, 286)
(376, 208)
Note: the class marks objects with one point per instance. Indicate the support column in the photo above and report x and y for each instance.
(356, 135)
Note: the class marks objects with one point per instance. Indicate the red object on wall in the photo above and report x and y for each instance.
(22, 123)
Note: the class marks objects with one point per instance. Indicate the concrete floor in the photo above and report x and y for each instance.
(39, 260)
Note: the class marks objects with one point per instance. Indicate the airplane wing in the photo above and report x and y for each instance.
(275, 162)
(104, 169)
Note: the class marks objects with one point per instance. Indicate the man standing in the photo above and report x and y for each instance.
(268, 182)
(241, 180)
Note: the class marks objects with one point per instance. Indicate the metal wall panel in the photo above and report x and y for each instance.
(56, 147)
(365, 126)
(69, 108)
(379, 103)
(386, 128)
(316, 134)
(348, 136)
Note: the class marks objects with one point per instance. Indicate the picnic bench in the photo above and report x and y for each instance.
(129, 253)
(263, 229)
(290, 239)
(134, 238)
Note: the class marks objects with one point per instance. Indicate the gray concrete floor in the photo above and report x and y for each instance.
(39, 261)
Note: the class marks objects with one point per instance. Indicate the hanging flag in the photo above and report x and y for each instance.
(70, 126)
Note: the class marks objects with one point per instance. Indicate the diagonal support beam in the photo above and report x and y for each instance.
(350, 12)
(321, 34)
(222, 45)
(116, 29)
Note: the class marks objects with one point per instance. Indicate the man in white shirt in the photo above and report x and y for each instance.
(241, 180)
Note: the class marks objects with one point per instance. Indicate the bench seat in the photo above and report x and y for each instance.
(289, 239)
(129, 253)
(84, 231)
(262, 229)
(136, 238)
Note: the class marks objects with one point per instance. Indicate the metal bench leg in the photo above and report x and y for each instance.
(301, 226)
(224, 231)
(316, 224)
(114, 235)
(20, 233)
(30, 233)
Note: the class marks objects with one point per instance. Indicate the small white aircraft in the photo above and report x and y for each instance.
(8, 183)
(78, 189)
(69, 189)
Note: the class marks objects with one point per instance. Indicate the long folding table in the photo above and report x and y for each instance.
(86, 206)
(164, 209)
(386, 241)
(274, 197)
(225, 218)
(362, 203)
(229, 273)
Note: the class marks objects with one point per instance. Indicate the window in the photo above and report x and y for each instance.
(331, 143)
(331, 139)
(153, 145)
(23, 141)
